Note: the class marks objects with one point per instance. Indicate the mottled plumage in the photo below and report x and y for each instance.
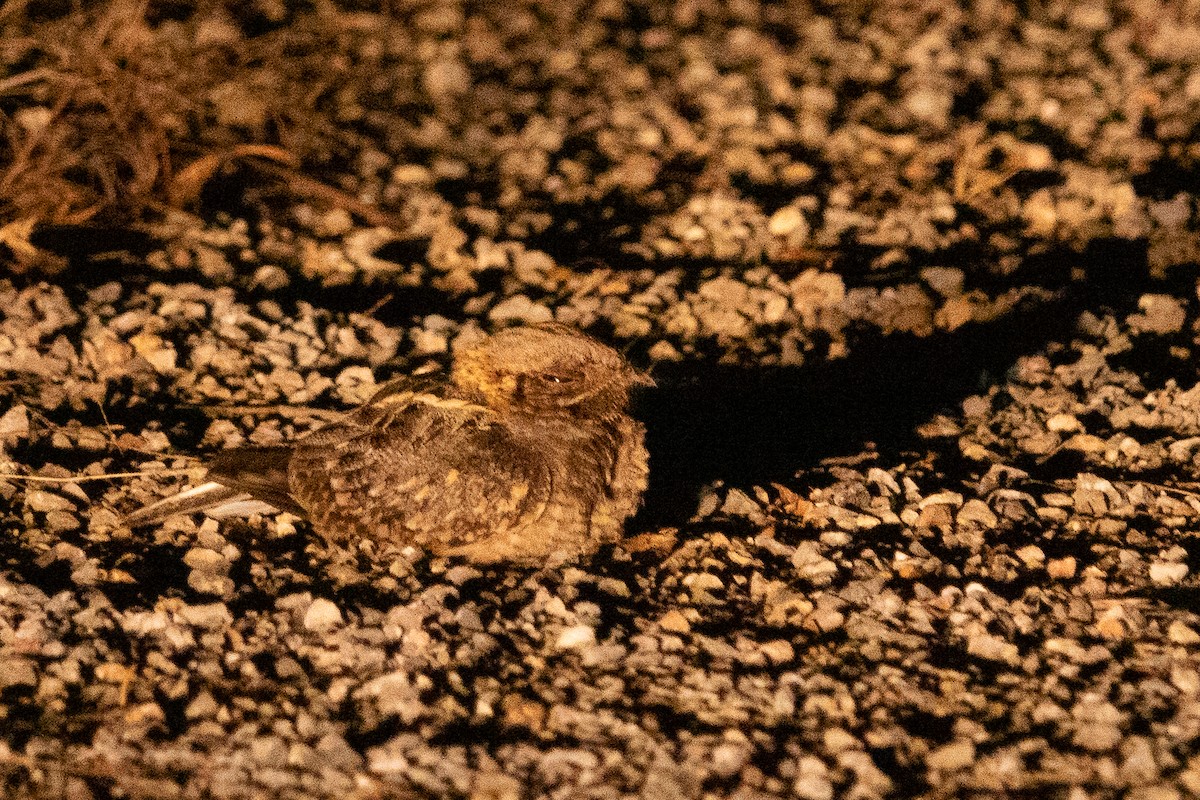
(525, 449)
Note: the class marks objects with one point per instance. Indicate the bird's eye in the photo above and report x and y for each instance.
(557, 378)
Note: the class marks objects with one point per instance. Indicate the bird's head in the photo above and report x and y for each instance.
(546, 369)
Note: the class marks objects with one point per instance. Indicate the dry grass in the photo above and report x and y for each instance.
(109, 114)
(86, 128)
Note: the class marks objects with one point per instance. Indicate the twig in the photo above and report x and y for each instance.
(380, 303)
(112, 437)
(149, 473)
(310, 187)
(12, 82)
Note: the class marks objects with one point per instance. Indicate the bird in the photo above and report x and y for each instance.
(525, 449)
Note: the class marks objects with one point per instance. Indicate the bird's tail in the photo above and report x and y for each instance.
(215, 499)
(250, 480)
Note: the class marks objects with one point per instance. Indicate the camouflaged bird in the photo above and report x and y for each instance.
(524, 450)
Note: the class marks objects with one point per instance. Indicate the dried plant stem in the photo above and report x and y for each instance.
(148, 473)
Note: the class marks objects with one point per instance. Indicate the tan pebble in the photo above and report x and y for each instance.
(778, 651)
(1084, 443)
(703, 581)
(1111, 624)
(957, 755)
(322, 615)
(785, 221)
(1063, 423)
(1061, 567)
(576, 637)
(1167, 573)
(1186, 680)
(37, 500)
(1031, 555)
(1180, 633)
(675, 622)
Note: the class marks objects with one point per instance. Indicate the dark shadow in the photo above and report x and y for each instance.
(85, 243)
(750, 426)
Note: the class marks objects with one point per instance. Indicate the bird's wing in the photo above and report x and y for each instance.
(259, 471)
(254, 479)
(416, 467)
(241, 481)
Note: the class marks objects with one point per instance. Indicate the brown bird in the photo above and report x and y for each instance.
(525, 449)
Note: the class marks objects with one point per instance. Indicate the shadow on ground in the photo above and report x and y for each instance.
(750, 426)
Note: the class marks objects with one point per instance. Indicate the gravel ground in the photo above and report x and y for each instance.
(917, 282)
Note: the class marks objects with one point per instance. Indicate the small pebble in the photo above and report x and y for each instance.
(323, 615)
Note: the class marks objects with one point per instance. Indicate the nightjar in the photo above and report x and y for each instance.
(525, 449)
